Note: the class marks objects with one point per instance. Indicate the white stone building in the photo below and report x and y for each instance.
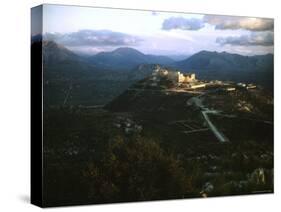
(179, 77)
(175, 76)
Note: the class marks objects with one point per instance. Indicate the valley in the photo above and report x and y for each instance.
(214, 144)
(133, 105)
(153, 131)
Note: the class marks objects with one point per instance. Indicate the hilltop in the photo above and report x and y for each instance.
(226, 66)
(207, 141)
(171, 99)
(126, 58)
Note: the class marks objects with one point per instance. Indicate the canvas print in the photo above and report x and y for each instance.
(142, 105)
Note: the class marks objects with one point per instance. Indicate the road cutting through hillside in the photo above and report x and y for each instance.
(205, 111)
(220, 136)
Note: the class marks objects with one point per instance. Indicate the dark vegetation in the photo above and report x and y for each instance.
(90, 157)
(136, 144)
(87, 160)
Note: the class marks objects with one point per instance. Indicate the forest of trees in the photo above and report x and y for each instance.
(89, 161)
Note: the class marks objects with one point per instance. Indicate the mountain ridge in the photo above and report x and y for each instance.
(127, 58)
(207, 65)
(209, 60)
(227, 66)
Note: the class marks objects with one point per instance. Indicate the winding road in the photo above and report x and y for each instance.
(220, 136)
(205, 111)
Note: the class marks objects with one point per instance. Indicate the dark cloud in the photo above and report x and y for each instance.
(93, 38)
(254, 39)
(233, 22)
(182, 23)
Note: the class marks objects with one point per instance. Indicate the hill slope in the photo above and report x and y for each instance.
(226, 66)
(126, 58)
(224, 61)
(71, 80)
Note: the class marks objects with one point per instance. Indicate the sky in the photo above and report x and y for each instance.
(91, 30)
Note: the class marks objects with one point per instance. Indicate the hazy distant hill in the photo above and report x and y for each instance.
(100, 78)
(179, 57)
(71, 80)
(226, 66)
(62, 64)
(206, 60)
(126, 58)
(54, 53)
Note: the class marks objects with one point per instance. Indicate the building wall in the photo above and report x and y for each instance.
(186, 77)
(175, 76)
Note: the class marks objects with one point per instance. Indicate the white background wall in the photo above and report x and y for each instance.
(15, 98)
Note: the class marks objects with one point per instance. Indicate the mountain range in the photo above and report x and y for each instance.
(109, 73)
(225, 66)
(126, 58)
(206, 64)
(207, 60)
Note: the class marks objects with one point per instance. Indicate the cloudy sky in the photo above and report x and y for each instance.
(92, 30)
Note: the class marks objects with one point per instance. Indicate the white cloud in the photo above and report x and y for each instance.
(253, 39)
(182, 23)
(232, 22)
(93, 37)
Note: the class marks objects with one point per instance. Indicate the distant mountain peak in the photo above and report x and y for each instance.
(52, 44)
(126, 50)
(55, 53)
(126, 58)
(205, 52)
(230, 66)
